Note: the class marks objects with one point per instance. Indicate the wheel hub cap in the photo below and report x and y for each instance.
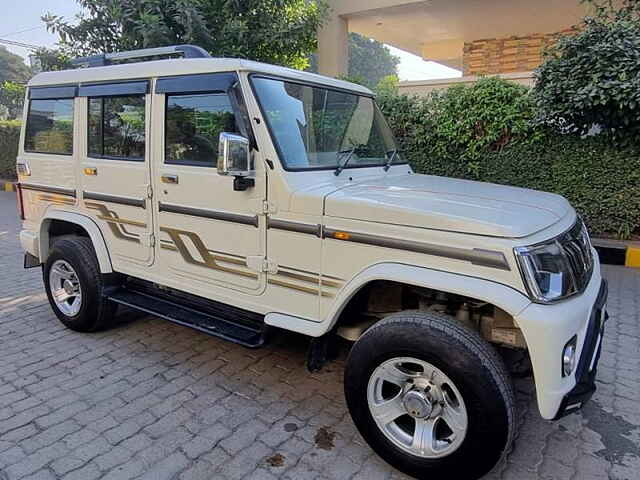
(68, 287)
(65, 288)
(417, 407)
(418, 404)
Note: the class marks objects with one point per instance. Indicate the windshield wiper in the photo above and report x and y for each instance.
(349, 152)
(391, 156)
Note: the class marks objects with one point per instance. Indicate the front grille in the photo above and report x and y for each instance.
(577, 248)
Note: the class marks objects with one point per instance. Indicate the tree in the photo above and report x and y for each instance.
(593, 77)
(49, 59)
(369, 61)
(12, 98)
(12, 67)
(275, 31)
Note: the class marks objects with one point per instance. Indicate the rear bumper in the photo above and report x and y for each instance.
(29, 242)
(588, 363)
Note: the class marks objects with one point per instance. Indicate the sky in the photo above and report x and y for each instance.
(22, 24)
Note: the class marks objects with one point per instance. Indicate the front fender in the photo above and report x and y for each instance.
(92, 229)
(502, 296)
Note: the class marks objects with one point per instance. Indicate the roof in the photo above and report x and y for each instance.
(183, 66)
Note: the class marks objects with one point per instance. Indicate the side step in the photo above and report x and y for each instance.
(230, 323)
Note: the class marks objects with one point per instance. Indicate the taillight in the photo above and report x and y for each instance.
(20, 202)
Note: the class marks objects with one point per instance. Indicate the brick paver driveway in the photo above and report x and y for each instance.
(155, 400)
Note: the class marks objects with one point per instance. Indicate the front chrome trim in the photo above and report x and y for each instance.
(101, 197)
(274, 223)
(44, 188)
(212, 214)
(477, 256)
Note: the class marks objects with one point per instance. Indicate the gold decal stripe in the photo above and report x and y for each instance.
(115, 223)
(123, 221)
(310, 279)
(59, 200)
(300, 288)
(208, 260)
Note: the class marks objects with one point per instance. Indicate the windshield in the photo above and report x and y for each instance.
(317, 128)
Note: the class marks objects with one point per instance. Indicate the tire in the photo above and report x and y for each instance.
(455, 362)
(76, 261)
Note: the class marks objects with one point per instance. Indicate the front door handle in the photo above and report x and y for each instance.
(169, 179)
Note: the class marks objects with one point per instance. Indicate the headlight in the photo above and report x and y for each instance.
(558, 268)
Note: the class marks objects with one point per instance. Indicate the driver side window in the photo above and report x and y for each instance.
(193, 125)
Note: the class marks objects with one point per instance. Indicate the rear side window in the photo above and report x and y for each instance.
(117, 127)
(193, 124)
(50, 126)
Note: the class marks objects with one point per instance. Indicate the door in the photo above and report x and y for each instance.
(115, 173)
(208, 234)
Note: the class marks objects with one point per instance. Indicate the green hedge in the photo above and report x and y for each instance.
(488, 132)
(9, 139)
(601, 181)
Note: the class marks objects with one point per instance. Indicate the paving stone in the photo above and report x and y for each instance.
(198, 446)
(243, 436)
(200, 470)
(167, 468)
(37, 460)
(88, 472)
(43, 474)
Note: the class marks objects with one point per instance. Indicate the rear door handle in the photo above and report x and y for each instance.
(169, 179)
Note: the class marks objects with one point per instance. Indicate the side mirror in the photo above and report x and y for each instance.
(234, 159)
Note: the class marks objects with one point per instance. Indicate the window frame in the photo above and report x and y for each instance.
(275, 140)
(73, 120)
(115, 157)
(164, 152)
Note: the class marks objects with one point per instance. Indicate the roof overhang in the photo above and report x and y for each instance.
(437, 29)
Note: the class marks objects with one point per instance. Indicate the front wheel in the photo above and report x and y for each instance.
(430, 396)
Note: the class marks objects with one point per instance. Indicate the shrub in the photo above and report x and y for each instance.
(462, 123)
(599, 179)
(9, 138)
(485, 132)
(593, 78)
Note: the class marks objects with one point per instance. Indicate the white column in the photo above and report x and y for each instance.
(333, 47)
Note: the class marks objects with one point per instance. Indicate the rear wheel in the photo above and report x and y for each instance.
(75, 286)
(430, 396)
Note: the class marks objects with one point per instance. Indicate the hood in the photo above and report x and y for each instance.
(448, 204)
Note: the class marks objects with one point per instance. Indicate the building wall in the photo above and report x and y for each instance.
(425, 87)
(507, 55)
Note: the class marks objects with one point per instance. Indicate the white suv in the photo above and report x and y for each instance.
(236, 198)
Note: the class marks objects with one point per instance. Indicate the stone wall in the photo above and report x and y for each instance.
(508, 55)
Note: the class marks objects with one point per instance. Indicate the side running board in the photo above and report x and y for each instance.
(230, 323)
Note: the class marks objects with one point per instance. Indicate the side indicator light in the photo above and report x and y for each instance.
(341, 235)
(23, 169)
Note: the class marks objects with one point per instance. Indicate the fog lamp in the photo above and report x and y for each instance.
(569, 357)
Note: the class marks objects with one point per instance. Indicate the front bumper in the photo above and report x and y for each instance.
(547, 329)
(585, 372)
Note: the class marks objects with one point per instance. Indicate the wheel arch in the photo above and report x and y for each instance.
(507, 298)
(497, 294)
(79, 221)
